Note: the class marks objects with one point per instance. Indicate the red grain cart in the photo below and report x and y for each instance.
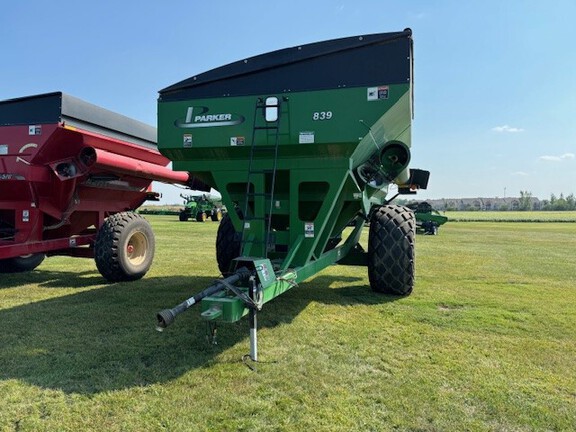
(71, 176)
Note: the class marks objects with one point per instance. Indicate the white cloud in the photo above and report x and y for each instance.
(418, 15)
(565, 156)
(506, 128)
(520, 173)
(550, 158)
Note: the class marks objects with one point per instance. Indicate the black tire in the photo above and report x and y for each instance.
(183, 216)
(21, 264)
(227, 245)
(201, 216)
(391, 250)
(432, 229)
(216, 215)
(124, 247)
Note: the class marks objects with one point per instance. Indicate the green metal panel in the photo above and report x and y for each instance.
(334, 129)
(336, 120)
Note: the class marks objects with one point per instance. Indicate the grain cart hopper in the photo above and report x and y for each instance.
(302, 142)
(70, 175)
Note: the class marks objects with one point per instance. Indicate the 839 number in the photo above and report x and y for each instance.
(322, 115)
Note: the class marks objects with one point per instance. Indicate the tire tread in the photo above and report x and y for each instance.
(391, 250)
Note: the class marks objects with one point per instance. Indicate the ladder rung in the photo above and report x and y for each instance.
(254, 241)
(255, 218)
(264, 148)
(265, 127)
(264, 171)
(259, 194)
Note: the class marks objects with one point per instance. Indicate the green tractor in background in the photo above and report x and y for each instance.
(428, 220)
(201, 208)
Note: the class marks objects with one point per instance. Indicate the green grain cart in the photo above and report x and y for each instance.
(301, 143)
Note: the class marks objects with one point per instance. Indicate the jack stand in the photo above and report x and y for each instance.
(253, 336)
(253, 356)
(253, 320)
(253, 326)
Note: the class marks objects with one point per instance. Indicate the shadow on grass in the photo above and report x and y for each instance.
(52, 279)
(104, 339)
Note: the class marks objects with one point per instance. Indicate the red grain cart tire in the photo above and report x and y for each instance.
(21, 264)
(391, 250)
(124, 247)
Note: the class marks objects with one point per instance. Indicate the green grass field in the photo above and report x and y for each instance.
(512, 216)
(487, 342)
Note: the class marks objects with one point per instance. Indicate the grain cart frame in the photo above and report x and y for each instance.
(71, 174)
(301, 142)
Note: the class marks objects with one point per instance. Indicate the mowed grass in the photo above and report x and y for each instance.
(512, 216)
(487, 342)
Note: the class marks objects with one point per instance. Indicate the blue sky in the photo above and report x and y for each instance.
(495, 81)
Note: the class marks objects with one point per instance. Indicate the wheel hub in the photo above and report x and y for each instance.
(136, 248)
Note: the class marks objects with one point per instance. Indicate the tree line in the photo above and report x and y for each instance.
(525, 202)
(555, 203)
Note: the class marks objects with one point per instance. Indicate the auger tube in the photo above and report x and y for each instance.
(167, 316)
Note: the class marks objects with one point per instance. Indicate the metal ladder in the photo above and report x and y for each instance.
(272, 131)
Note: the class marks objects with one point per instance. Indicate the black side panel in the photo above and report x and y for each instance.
(58, 107)
(41, 109)
(84, 115)
(349, 62)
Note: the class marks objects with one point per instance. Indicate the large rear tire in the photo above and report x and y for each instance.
(391, 250)
(227, 245)
(124, 247)
(21, 264)
(216, 215)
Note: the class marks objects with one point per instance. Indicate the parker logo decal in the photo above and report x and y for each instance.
(197, 117)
